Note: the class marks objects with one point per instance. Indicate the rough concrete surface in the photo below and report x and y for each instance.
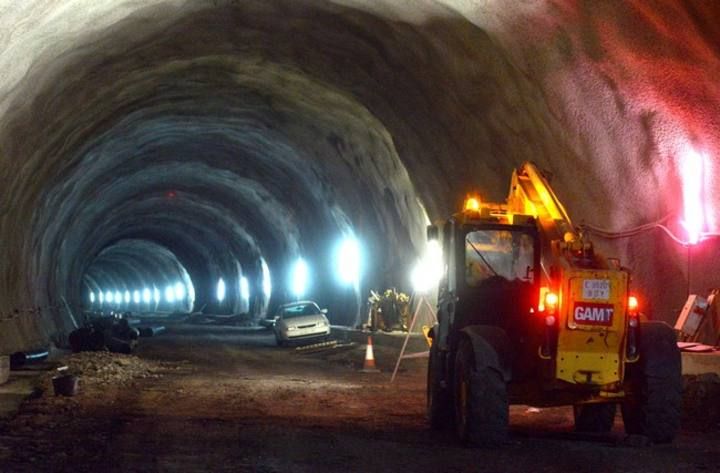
(146, 142)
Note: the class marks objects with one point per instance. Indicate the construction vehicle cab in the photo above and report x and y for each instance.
(528, 313)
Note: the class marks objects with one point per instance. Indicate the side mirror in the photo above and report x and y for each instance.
(324, 311)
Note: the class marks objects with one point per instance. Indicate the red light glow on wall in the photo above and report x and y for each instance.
(692, 172)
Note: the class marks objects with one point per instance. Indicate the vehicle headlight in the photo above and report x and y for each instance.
(290, 329)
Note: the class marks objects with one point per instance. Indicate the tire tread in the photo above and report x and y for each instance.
(657, 383)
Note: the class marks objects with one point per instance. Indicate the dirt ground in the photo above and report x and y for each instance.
(228, 400)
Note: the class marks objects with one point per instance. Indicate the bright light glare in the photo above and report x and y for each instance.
(109, 296)
(632, 303)
(92, 297)
(244, 289)
(427, 272)
(220, 290)
(348, 261)
(191, 293)
(127, 297)
(136, 296)
(156, 295)
(170, 294)
(101, 297)
(299, 278)
(472, 204)
(146, 296)
(179, 291)
(266, 282)
(692, 172)
(118, 297)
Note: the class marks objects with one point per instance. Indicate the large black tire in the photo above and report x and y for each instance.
(594, 418)
(439, 405)
(481, 405)
(653, 408)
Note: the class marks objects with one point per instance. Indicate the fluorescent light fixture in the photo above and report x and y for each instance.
(347, 261)
(179, 291)
(170, 294)
(299, 278)
(427, 272)
(266, 281)
(220, 293)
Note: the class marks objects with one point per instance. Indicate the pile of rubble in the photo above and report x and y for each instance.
(99, 367)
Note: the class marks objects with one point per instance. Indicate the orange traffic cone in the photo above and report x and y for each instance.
(369, 365)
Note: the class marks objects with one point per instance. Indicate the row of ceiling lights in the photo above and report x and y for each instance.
(173, 293)
(348, 268)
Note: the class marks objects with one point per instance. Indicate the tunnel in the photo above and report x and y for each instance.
(154, 152)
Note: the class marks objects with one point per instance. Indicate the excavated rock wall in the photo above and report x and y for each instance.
(229, 132)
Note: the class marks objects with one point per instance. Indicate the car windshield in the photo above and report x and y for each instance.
(298, 310)
(497, 253)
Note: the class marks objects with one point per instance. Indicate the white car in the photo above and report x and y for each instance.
(299, 321)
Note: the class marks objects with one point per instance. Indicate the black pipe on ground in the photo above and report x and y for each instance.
(22, 358)
(151, 331)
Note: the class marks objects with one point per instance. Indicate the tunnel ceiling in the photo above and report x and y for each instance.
(143, 139)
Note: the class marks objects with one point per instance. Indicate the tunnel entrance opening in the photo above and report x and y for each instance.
(146, 276)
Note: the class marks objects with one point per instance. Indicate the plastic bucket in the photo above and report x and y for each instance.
(65, 385)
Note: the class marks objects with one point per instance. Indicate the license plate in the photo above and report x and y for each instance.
(598, 289)
(588, 313)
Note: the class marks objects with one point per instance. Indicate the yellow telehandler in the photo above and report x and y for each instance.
(529, 313)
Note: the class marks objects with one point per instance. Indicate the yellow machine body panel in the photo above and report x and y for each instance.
(592, 312)
(592, 322)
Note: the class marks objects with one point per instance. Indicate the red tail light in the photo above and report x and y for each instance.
(541, 302)
(548, 306)
(633, 323)
(551, 302)
(633, 305)
(548, 300)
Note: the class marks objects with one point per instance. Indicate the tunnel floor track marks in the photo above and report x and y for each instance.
(248, 408)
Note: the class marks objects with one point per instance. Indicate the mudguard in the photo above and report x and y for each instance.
(491, 347)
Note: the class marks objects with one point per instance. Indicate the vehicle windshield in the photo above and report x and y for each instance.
(498, 253)
(299, 310)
